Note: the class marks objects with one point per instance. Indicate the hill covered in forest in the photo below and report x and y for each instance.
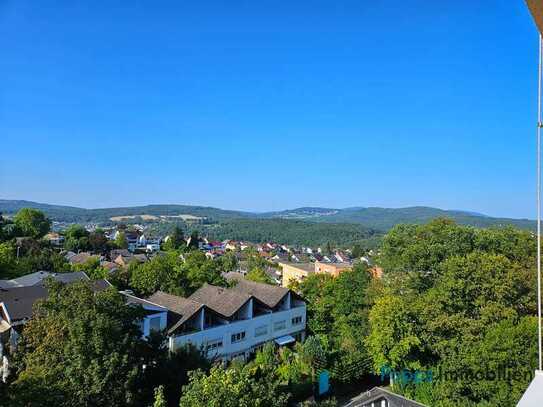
(375, 218)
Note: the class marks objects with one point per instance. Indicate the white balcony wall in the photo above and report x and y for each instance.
(225, 332)
(146, 328)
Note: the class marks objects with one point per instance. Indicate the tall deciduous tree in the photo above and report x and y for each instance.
(168, 272)
(232, 387)
(80, 348)
(31, 222)
(338, 313)
(453, 296)
(258, 275)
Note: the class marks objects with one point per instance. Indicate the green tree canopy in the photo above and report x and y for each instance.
(234, 386)
(451, 296)
(175, 275)
(120, 241)
(32, 223)
(176, 239)
(258, 275)
(92, 268)
(337, 312)
(80, 348)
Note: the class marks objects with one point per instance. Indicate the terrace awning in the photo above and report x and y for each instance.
(284, 340)
(536, 8)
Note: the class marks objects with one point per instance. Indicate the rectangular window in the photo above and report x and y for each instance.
(261, 330)
(154, 324)
(238, 337)
(279, 325)
(296, 320)
(212, 345)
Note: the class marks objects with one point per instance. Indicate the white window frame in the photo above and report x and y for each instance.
(238, 337)
(214, 344)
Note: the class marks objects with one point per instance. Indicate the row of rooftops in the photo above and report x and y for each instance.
(19, 295)
(39, 276)
(225, 302)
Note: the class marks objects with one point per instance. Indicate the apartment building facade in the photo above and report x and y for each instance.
(300, 271)
(230, 323)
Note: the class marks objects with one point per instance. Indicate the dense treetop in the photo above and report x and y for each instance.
(452, 295)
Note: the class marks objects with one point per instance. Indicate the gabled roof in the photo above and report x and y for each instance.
(80, 258)
(224, 301)
(18, 301)
(38, 277)
(109, 265)
(268, 294)
(148, 306)
(70, 277)
(114, 253)
(25, 281)
(182, 308)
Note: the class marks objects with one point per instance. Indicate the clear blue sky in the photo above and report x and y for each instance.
(264, 105)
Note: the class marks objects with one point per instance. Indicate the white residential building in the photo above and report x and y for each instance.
(232, 322)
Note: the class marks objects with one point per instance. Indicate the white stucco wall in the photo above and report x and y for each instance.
(224, 332)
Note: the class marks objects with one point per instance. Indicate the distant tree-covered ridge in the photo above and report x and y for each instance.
(381, 219)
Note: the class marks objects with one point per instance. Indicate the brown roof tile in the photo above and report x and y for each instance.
(182, 308)
(221, 300)
(266, 293)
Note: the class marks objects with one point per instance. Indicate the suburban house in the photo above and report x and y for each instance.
(300, 271)
(132, 238)
(295, 271)
(280, 257)
(113, 254)
(79, 258)
(16, 302)
(18, 296)
(54, 238)
(300, 258)
(109, 266)
(331, 268)
(245, 245)
(231, 245)
(38, 277)
(230, 323)
(342, 257)
(124, 261)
